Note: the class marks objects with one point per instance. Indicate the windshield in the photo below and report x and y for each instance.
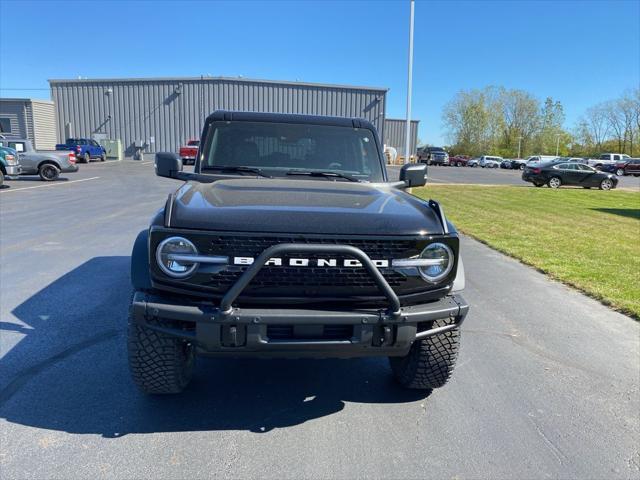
(279, 148)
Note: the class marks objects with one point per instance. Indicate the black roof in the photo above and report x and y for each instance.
(289, 118)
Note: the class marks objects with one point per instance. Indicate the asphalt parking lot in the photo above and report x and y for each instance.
(491, 176)
(547, 383)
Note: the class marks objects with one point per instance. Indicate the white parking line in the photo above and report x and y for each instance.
(48, 185)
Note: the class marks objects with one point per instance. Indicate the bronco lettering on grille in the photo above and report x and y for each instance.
(313, 262)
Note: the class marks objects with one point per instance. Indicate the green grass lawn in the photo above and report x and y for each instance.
(589, 239)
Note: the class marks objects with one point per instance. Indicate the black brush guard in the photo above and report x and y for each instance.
(228, 330)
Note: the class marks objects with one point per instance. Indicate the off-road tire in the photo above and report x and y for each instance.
(159, 363)
(430, 361)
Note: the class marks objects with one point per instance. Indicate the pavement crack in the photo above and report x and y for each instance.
(553, 448)
(21, 379)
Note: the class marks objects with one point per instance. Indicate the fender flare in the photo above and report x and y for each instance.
(140, 278)
(460, 280)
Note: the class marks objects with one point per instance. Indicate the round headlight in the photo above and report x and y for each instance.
(172, 257)
(440, 262)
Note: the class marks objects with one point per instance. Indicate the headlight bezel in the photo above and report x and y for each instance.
(450, 263)
(159, 261)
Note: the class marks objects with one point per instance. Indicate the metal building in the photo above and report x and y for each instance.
(164, 112)
(394, 134)
(29, 118)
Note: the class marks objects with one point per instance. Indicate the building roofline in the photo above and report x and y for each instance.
(26, 100)
(401, 120)
(53, 82)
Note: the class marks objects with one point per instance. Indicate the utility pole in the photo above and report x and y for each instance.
(407, 143)
(557, 143)
(519, 145)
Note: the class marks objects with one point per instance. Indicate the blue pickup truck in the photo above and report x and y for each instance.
(85, 149)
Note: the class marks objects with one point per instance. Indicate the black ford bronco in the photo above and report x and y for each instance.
(288, 240)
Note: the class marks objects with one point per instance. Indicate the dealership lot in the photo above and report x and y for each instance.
(541, 388)
(492, 176)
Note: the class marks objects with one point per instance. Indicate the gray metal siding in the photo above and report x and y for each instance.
(174, 110)
(43, 119)
(32, 119)
(395, 131)
(15, 111)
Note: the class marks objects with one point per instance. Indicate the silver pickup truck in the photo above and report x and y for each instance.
(49, 164)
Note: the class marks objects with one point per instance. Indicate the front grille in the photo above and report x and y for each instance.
(239, 245)
(308, 277)
(275, 283)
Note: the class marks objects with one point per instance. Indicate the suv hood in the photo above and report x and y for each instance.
(301, 206)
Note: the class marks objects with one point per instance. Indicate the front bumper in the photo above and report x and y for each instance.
(13, 170)
(248, 331)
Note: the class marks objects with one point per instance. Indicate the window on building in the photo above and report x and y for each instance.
(5, 125)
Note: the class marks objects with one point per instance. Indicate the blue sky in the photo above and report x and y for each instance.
(579, 52)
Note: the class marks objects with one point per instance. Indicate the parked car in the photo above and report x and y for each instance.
(474, 162)
(231, 266)
(628, 166)
(433, 156)
(506, 164)
(487, 161)
(607, 159)
(9, 164)
(85, 149)
(557, 173)
(540, 158)
(459, 160)
(518, 163)
(189, 152)
(47, 163)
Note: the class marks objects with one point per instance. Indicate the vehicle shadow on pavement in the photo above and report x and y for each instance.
(69, 372)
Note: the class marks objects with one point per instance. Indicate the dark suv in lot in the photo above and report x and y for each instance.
(289, 241)
(433, 156)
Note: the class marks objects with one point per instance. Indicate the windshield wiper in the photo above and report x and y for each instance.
(238, 168)
(313, 173)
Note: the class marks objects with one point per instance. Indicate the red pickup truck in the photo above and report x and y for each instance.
(189, 151)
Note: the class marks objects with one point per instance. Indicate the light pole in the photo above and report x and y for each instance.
(519, 145)
(407, 143)
(557, 143)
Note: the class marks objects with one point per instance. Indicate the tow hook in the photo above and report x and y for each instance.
(382, 335)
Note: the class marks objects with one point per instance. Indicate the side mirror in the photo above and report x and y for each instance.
(414, 174)
(168, 164)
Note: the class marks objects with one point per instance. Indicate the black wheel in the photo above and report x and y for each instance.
(1, 178)
(48, 172)
(430, 361)
(428, 162)
(538, 184)
(555, 182)
(159, 363)
(521, 167)
(103, 157)
(606, 184)
(87, 158)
